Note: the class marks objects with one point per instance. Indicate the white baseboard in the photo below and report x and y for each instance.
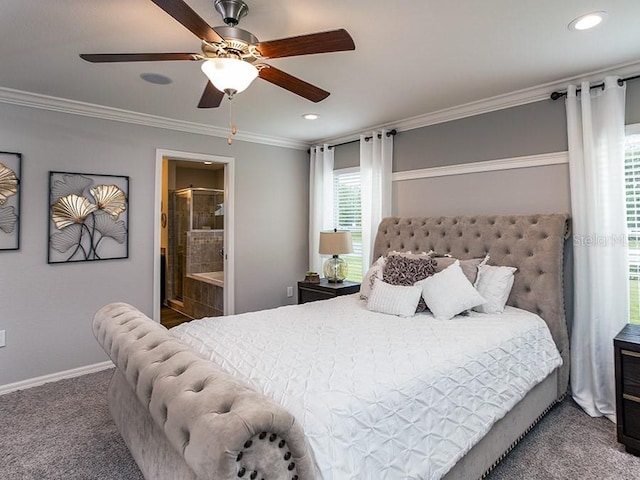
(54, 377)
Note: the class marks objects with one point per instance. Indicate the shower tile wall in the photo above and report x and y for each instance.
(195, 245)
(202, 299)
(204, 251)
(204, 211)
(204, 254)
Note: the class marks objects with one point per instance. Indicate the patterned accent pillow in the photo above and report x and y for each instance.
(373, 274)
(404, 270)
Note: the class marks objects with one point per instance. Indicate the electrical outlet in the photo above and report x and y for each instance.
(289, 292)
(2, 338)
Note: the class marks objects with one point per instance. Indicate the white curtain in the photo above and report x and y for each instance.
(595, 124)
(376, 158)
(320, 200)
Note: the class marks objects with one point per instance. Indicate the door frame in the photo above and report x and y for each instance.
(229, 223)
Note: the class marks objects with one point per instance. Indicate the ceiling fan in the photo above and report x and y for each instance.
(233, 57)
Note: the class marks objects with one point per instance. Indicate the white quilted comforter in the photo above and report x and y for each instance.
(382, 397)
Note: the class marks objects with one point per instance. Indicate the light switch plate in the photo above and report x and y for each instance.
(2, 338)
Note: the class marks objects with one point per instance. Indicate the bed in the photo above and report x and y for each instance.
(243, 397)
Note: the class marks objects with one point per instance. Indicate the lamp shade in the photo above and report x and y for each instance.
(229, 73)
(335, 243)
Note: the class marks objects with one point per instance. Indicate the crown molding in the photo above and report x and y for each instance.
(528, 161)
(73, 107)
(487, 105)
(499, 102)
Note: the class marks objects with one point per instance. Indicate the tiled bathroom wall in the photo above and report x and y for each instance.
(204, 254)
(204, 251)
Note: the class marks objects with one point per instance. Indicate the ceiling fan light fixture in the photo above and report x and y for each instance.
(229, 74)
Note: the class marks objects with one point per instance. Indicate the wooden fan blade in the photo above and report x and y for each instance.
(136, 57)
(189, 19)
(293, 84)
(211, 97)
(323, 42)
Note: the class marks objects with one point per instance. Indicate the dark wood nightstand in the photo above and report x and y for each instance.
(627, 357)
(310, 292)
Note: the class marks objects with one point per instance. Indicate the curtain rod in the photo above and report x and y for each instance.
(557, 95)
(366, 139)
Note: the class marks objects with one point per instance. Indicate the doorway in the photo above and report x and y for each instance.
(193, 268)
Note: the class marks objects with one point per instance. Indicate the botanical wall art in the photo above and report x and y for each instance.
(10, 189)
(88, 217)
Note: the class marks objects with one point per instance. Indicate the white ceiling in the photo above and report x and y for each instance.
(412, 57)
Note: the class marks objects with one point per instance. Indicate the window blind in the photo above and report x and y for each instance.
(632, 191)
(347, 216)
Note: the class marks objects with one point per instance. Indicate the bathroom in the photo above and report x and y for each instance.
(192, 243)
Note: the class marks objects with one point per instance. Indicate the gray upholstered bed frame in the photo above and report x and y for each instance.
(182, 417)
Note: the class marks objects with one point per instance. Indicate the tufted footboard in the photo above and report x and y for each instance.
(192, 419)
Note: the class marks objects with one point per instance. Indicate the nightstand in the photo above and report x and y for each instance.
(627, 358)
(310, 292)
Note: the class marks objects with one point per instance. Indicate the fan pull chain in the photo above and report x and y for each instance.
(232, 121)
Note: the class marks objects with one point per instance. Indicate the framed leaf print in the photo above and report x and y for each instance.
(88, 217)
(10, 190)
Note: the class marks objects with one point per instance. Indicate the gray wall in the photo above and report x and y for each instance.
(46, 310)
(346, 156)
(514, 132)
(518, 191)
(530, 129)
(632, 110)
(539, 127)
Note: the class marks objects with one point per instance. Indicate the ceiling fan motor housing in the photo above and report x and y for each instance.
(231, 10)
(237, 43)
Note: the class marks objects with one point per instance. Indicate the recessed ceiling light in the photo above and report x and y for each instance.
(208, 163)
(155, 78)
(589, 20)
(310, 116)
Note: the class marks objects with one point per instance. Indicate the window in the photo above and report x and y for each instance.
(632, 188)
(346, 215)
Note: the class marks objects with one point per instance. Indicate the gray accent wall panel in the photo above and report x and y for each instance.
(517, 191)
(346, 156)
(530, 129)
(632, 111)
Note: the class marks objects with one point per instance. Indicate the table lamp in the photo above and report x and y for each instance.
(335, 243)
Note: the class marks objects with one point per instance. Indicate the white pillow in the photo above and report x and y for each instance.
(394, 299)
(494, 284)
(375, 272)
(449, 292)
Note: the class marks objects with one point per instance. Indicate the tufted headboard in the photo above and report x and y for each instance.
(532, 243)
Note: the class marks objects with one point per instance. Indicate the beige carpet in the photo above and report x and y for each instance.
(63, 431)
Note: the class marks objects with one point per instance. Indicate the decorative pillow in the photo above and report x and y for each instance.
(410, 254)
(494, 284)
(449, 292)
(406, 270)
(469, 267)
(375, 272)
(394, 299)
